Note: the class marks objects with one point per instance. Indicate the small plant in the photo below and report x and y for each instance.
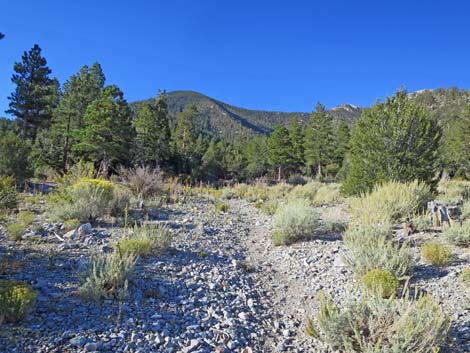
(465, 276)
(334, 220)
(436, 253)
(16, 230)
(268, 207)
(227, 194)
(203, 254)
(374, 324)
(294, 221)
(381, 283)
(142, 181)
(108, 275)
(327, 194)
(26, 217)
(137, 247)
(16, 300)
(372, 248)
(71, 224)
(8, 194)
(221, 207)
(458, 234)
(158, 237)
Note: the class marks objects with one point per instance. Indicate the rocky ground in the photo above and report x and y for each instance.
(222, 287)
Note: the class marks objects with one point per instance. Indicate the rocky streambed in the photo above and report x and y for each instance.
(222, 287)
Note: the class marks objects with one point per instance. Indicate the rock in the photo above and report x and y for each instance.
(93, 346)
(78, 341)
(192, 346)
(84, 229)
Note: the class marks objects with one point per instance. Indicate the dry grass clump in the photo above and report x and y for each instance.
(143, 182)
(458, 234)
(436, 254)
(268, 207)
(378, 325)
(17, 299)
(454, 192)
(306, 192)
(327, 194)
(389, 203)
(334, 219)
(294, 221)
(372, 248)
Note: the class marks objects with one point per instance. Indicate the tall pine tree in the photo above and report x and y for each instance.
(318, 142)
(297, 136)
(281, 153)
(31, 102)
(107, 133)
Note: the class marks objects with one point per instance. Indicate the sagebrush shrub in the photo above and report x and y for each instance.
(26, 217)
(90, 199)
(294, 221)
(372, 248)
(435, 253)
(381, 283)
(306, 192)
(458, 234)
(327, 194)
(142, 181)
(16, 300)
(16, 230)
(107, 275)
(378, 325)
(157, 236)
(8, 193)
(334, 220)
(390, 202)
(454, 192)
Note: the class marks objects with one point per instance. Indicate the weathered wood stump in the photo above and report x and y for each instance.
(442, 214)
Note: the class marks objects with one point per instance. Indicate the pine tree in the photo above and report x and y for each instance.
(318, 142)
(456, 144)
(341, 143)
(281, 152)
(296, 134)
(152, 143)
(30, 103)
(212, 160)
(14, 153)
(256, 154)
(107, 133)
(395, 140)
(79, 92)
(185, 132)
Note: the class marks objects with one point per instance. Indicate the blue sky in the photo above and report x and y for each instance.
(274, 55)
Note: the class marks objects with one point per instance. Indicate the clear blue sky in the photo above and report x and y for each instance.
(275, 55)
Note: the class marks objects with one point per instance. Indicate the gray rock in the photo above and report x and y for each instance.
(78, 341)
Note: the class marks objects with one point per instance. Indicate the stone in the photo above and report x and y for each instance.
(84, 229)
(78, 341)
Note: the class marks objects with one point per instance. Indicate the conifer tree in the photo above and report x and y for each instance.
(212, 160)
(107, 133)
(281, 152)
(296, 134)
(456, 144)
(80, 91)
(341, 143)
(395, 140)
(30, 103)
(318, 142)
(256, 153)
(152, 142)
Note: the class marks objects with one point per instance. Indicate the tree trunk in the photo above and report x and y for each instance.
(279, 174)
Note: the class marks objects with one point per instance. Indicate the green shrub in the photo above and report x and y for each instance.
(8, 194)
(378, 325)
(268, 207)
(389, 203)
(107, 276)
(16, 230)
(458, 234)
(466, 210)
(227, 194)
(137, 247)
(157, 236)
(465, 276)
(372, 248)
(120, 202)
(26, 217)
(221, 207)
(16, 300)
(306, 192)
(294, 221)
(421, 222)
(381, 283)
(436, 254)
(296, 179)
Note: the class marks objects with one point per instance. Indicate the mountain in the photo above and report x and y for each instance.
(229, 122)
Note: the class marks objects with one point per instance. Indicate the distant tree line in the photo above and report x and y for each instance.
(86, 119)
